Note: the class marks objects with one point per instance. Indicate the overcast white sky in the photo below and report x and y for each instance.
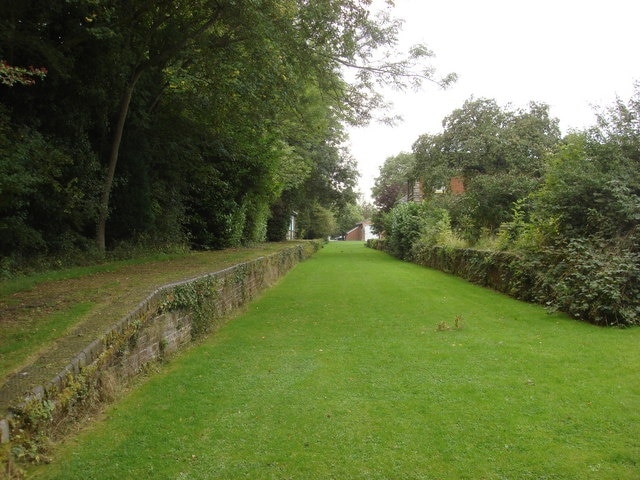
(571, 54)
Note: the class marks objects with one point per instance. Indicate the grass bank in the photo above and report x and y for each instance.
(358, 365)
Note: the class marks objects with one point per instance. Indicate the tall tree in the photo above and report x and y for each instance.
(311, 38)
(498, 151)
(249, 96)
(153, 34)
(482, 137)
(392, 183)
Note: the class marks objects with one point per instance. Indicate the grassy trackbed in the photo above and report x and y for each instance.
(359, 366)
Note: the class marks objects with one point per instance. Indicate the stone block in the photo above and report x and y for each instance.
(5, 432)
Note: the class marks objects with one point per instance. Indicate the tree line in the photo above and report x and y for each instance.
(205, 123)
(567, 207)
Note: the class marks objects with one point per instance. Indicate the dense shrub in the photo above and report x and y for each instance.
(46, 201)
(596, 282)
(412, 226)
(405, 224)
(568, 229)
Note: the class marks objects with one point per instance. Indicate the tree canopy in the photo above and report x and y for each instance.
(205, 122)
(499, 152)
(392, 183)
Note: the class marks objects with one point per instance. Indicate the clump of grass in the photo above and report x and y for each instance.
(443, 326)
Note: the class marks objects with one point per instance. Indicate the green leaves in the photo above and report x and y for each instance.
(11, 76)
(41, 195)
(203, 113)
(391, 185)
(499, 152)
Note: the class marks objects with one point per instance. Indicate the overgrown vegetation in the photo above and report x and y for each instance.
(567, 208)
(198, 298)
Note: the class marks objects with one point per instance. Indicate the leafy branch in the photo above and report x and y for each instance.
(11, 76)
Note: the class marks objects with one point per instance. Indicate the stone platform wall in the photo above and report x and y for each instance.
(167, 320)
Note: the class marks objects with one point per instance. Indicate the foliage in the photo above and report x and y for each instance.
(347, 217)
(278, 222)
(489, 202)
(45, 193)
(190, 121)
(413, 226)
(499, 152)
(319, 222)
(436, 229)
(406, 222)
(483, 138)
(594, 281)
(10, 75)
(585, 219)
(569, 209)
(199, 298)
(392, 182)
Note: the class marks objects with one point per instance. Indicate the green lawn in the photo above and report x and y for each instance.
(18, 342)
(345, 371)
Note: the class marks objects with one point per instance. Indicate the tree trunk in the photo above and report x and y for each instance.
(103, 212)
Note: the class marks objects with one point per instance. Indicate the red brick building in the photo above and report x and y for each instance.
(360, 233)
